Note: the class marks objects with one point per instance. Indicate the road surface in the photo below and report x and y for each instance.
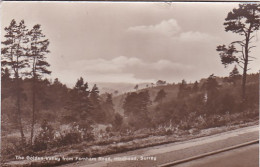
(154, 156)
(242, 157)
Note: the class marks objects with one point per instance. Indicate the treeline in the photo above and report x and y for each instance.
(58, 103)
(208, 103)
(79, 107)
(85, 106)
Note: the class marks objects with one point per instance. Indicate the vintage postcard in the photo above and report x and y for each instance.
(130, 84)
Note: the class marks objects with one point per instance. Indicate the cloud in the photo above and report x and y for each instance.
(124, 69)
(171, 28)
(122, 63)
(196, 36)
(166, 64)
(100, 65)
(161, 69)
(166, 27)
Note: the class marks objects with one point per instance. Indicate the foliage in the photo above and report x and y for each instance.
(96, 102)
(136, 87)
(234, 76)
(211, 84)
(14, 48)
(184, 90)
(45, 137)
(160, 96)
(195, 87)
(227, 54)
(160, 82)
(118, 121)
(108, 110)
(14, 59)
(244, 20)
(37, 52)
(79, 104)
(136, 108)
(37, 60)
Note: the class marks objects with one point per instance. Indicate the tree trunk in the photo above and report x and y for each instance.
(244, 81)
(18, 100)
(33, 110)
(245, 63)
(18, 105)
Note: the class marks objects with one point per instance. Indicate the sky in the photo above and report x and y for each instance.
(130, 42)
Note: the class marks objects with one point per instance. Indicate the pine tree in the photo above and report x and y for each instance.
(234, 75)
(81, 88)
(160, 96)
(244, 21)
(118, 121)
(183, 91)
(14, 58)
(108, 108)
(109, 99)
(79, 103)
(195, 87)
(211, 83)
(130, 104)
(211, 87)
(94, 96)
(136, 87)
(37, 56)
(160, 82)
(136, 108)
(95, 100)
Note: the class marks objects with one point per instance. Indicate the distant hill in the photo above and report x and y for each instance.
(110, 87)
(170, 89)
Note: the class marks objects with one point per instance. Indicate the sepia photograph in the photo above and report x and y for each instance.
(130, 84)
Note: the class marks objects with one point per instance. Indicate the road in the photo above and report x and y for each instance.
(154, 156)
(242, 157)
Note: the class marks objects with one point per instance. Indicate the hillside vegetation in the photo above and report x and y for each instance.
(68, 116)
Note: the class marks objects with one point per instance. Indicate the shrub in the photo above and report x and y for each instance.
(10, 145)
(68, 138)
(118, 121)
(45, 137)
(76, 133)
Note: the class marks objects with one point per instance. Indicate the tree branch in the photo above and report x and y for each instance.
(251, 37)
(239, 65)
(252, 57)
(251, 47)
(241, 43)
